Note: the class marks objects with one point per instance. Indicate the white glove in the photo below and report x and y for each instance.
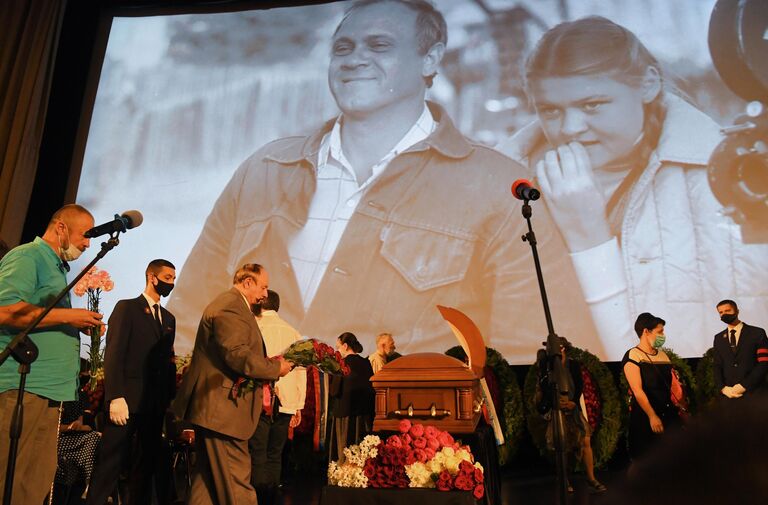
(118, 411)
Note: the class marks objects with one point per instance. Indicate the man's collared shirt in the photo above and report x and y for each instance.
(32, 273)
(335, 200)
(738, 329)
(152, 304)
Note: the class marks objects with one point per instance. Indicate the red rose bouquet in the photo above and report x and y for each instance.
(310, 352)
(417, 456)
(307, 353)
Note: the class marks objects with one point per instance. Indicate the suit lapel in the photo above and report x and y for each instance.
(742, 338)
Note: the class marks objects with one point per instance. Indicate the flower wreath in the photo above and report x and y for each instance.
(511, 414)
(605, 411)
(684, 375)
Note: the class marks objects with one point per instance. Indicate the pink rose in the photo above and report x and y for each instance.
(420, 455)
(417, 430)
(407, 439)
(433, 443)
(430, 453)
(479, 476)
(404, 426)
(420, 442)
(394, 441)
(479, 491)
(445, 439)
(431, 431)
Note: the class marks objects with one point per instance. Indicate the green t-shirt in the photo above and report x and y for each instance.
(32, 273)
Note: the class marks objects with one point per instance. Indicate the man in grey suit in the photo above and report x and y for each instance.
(224, 410)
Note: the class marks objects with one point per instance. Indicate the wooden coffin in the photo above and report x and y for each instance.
(429, 388)
(434, 388)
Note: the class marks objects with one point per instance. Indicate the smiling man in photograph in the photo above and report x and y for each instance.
(387, 210)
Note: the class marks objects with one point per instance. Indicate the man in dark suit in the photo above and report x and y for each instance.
(139, 383)
(741, 354)
(221, 394)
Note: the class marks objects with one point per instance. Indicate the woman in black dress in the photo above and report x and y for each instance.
(352, 398)
(649, 374)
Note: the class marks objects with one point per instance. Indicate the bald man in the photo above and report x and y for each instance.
(31, 275)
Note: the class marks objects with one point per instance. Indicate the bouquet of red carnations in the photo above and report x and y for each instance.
(310, 352)
(306, 353)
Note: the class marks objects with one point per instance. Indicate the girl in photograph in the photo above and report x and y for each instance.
(621, 159)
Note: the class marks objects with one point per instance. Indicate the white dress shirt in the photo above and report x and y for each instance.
(335, 199)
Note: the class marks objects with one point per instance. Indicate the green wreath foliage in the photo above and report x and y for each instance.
(605, 438)
(705, 379)
(511, 415)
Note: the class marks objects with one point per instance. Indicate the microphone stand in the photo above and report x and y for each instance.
(555, 369)
(25, 352)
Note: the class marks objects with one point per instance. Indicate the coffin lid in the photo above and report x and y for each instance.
(468, 335)
(425, 366)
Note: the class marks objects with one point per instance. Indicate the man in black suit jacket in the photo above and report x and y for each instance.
(741, 354)
(139, 384)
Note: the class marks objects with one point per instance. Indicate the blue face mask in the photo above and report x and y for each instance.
(659, 341)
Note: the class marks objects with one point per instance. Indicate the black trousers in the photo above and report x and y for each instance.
(266, 448)
(138, 447)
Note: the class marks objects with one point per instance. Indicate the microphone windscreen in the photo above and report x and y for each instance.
(520, 182)
(134, 218)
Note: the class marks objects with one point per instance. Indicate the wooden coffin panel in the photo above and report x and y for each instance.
(429, 388)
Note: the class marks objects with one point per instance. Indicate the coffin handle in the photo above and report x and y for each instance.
(431, 412)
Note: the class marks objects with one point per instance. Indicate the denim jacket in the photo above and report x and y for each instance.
(439, 226)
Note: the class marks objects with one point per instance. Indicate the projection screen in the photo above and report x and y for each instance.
(183, 101)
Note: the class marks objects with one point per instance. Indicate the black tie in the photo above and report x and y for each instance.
(733, 339)
(157, 316)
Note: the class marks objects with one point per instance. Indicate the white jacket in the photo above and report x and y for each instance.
(679, 255)
(278, 335)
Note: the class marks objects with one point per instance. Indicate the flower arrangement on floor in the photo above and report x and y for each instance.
(307, 353)
(418, 456)
(92, 284)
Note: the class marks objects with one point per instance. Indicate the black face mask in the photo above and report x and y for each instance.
(729, 318)
(163, 288)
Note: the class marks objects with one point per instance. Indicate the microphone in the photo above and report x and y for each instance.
(129, 219)
(523, 189)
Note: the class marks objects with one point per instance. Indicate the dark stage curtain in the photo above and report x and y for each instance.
(27, 50)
